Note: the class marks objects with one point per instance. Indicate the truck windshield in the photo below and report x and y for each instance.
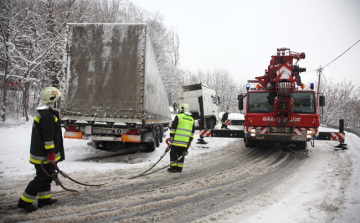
(263, 102)
(304, 102)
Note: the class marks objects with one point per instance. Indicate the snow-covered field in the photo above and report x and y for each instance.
(326, 188)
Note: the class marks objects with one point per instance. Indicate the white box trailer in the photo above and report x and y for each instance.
(203, 103)
(114, 92)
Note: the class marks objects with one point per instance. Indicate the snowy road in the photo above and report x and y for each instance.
(223, 183)
(228, 176)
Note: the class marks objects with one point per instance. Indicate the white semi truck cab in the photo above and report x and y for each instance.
(203, 104)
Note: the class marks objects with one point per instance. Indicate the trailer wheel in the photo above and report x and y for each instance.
(150, 146)
(161, 133)
(157, 138)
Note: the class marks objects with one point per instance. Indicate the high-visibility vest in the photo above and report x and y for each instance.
(183, 130)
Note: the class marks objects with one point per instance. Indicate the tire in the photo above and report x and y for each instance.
(212, 123)
(301, 146)
(249, 143)
(161, 133)
(150, 146)
(157, 138)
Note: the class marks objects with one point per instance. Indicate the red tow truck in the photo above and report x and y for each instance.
(279, 109)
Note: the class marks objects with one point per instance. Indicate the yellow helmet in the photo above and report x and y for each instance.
(50, 95)
(228, 111)
(184, 107)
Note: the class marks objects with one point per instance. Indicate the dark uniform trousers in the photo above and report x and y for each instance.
(41, 184)
(223, 120)
(175, 153)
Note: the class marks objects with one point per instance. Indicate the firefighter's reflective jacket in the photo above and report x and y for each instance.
(46, 135)
(182, 130)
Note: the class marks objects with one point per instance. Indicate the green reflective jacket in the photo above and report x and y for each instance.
(182, 130)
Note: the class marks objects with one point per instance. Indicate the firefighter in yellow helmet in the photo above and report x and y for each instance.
(181, 135)
(46, 144)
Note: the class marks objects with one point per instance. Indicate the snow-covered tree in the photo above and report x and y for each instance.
(33, 38)
(21, 40)
(171, 76)
(342, 102)
(160, 38)
(174, 51)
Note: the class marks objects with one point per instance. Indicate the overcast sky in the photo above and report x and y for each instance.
(240, 36)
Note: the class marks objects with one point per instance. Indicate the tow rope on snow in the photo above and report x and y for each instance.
(55, 177)
(162, 156)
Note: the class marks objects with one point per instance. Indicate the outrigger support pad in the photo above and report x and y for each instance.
(201, 141)
(341, 146)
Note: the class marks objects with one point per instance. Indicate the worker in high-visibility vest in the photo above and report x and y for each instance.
(181, 135)
(47, 147)
(224, 119)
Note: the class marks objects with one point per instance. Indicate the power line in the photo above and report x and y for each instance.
(336, 57)
(342, 54)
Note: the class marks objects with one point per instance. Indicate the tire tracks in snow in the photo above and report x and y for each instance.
(226, 177)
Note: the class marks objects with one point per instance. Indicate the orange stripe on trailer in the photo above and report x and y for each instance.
(131, 138)
(73, 135)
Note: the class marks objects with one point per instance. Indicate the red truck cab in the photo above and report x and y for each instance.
(279, 109)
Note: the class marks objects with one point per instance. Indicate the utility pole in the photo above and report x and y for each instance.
(319, 73)
(320, 70)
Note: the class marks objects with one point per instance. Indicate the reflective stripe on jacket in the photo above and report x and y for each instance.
(182, 130)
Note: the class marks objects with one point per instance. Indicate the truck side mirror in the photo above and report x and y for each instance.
(219, 100)
(241, 105)
(322, 100)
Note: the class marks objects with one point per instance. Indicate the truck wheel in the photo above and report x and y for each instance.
(211, 123)
(161, 134)
(150, 146)
(249, 143)
(301, 146)
(157, 138)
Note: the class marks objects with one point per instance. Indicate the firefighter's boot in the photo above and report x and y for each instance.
(28, 207)
(179, 169)
(172, 169)
(44, 202)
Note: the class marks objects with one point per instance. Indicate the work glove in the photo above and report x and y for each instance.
(171, 139)
(51, 158)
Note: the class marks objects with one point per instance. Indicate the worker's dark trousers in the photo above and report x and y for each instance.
(40, 185)
(223, 126)
(175, 153)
